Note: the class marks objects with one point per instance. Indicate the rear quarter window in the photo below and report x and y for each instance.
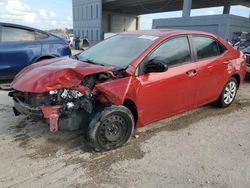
(41, 36)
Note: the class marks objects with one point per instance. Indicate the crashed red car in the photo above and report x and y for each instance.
(128, 81)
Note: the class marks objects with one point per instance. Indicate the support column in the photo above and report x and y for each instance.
(187, 6)
(109, 22)
(227, 7)
(137, 27)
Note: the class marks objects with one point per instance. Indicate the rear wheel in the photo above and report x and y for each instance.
(228, 94)
(111, 128)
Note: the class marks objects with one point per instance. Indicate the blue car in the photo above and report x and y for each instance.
(21, 46)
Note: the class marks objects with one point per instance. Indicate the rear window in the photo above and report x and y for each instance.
(207, 47)
(10, 34)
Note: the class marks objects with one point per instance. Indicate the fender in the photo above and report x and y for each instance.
(35, 60)
(115, 90)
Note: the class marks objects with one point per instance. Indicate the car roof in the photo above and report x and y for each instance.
(29, 28)
(165, 32)
(22, 27)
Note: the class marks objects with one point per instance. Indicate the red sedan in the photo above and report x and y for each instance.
(128, 81)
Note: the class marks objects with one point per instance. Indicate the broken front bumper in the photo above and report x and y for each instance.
(50, 113)
(22, 108)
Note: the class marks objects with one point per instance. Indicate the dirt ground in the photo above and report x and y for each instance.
(207, 147)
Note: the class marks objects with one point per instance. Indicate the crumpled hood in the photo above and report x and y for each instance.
(54, 74)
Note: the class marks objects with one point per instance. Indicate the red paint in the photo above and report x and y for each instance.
(167, 93)
(155, 95)
(54, 74)
(115, 91)
(52, 114)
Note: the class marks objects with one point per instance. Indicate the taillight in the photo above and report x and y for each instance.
(66, 46)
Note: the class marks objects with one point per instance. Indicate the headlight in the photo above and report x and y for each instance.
(53, 92)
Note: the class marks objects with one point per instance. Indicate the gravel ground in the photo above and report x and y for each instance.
(207, 147)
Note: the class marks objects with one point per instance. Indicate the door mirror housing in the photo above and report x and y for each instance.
(155, 65)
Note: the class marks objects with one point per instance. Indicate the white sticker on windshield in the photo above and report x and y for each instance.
(148, 37)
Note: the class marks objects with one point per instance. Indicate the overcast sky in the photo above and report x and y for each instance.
(48, 14)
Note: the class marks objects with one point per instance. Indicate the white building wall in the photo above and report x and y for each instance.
(87, 19)
(91, 22)
(222, 25)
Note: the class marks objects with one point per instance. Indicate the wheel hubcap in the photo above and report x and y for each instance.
(230, 92)
(113, 130)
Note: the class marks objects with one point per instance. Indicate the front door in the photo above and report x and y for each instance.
(161, 95)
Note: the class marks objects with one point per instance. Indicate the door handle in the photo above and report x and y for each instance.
(192, 72)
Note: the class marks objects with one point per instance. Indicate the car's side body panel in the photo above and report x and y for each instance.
(115, 91)
(173, 96)
(160, 95)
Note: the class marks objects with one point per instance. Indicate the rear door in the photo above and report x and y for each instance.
(18, 48)
(211, 59)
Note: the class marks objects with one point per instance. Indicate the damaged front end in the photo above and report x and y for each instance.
(69, 107)
(52, 105)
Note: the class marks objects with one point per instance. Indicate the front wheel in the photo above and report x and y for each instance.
(228, 94)
(110, 128)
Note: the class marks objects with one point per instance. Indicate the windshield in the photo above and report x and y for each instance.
(118, 51)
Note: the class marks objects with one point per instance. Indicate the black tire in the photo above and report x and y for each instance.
(222, 102)
(110, 128)
(43, 58)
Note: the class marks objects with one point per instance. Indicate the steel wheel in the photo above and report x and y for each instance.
(112, 131)
(110, 128)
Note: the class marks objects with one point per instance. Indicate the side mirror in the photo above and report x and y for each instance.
(155, 66)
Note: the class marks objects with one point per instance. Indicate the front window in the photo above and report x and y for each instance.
(118, 51)
(11, 34)
(173, 52)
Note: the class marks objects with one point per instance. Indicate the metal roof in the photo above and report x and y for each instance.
(139, 7)
(152, 32)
